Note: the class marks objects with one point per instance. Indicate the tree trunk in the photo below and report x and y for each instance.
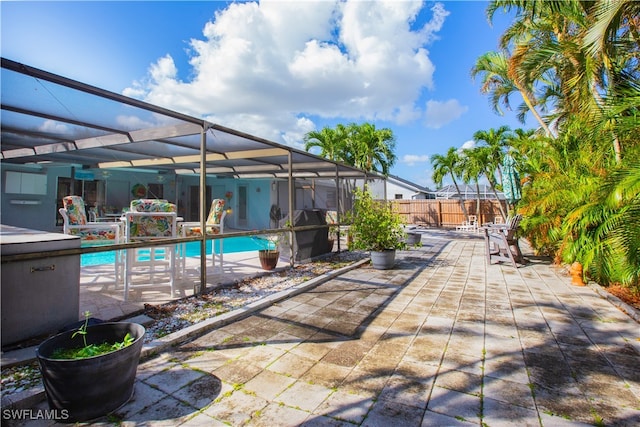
(464, 208)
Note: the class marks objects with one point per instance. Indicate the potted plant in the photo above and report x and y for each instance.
(413, 238)
(332, 237)
(331, 218)
(90, 371)
(377, 228)
(268, 252)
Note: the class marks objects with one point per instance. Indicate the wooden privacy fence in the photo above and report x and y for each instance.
(444, 212)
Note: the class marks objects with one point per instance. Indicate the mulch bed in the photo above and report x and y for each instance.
(625, 294)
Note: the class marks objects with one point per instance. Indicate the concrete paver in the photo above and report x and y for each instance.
(442, 339)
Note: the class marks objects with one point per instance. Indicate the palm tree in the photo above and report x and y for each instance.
(548, 52)
(332, 142)
(583, 59)
(604, 233)
(483, 156)
(449, 164)
(494, 69)
(615, 30)
(614, 37)
(472, 170)
(496, 142)
(372, 149)
(362, 146)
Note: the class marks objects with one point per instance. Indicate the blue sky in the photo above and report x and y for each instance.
(279, 69)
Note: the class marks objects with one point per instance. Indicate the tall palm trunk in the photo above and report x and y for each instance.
(495, 193)
(526, 97)
(477, 199)
(464, 208)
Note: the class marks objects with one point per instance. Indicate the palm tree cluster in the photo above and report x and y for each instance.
(484, 160)
(576, 66)
(359, 145)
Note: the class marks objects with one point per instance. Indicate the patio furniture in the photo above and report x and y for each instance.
(471, 224)
(501, 242)
(147, 220)
(214, 225)
(91, 233)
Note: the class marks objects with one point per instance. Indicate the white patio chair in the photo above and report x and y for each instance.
(146, 220)
(471, 224)
(214, 225)
(91, 233)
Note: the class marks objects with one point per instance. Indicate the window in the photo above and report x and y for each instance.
(398, 196)
(25, 183)
(155, 191)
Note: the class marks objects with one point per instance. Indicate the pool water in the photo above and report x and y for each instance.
(231, 245)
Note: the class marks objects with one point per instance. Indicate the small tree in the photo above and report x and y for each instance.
(375, 226)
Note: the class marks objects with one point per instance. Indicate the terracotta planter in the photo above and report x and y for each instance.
(268, 259)
(576, 274)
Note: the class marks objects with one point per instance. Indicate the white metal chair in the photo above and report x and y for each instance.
(214, 225)
(91, 233)
(471, 224)
(146, 220)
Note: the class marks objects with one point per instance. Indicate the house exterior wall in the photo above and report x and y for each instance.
(114, 192)
(394, 190)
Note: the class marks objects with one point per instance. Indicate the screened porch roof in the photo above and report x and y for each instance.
(46, 118)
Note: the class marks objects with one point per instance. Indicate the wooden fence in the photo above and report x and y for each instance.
(445, 213)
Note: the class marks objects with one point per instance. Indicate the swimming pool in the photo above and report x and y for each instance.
(231, 245)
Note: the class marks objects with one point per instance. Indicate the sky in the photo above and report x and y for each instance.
(279, 69)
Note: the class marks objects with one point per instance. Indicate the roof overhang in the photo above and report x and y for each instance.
(46, 118)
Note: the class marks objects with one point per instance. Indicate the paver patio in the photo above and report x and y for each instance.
(442, 339)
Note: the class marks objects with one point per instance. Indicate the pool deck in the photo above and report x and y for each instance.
(105, 301)
(443, 339)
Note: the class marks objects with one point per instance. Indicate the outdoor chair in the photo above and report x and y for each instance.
(501, 241)
(91, 233)
(148, 220)
(469, 225)
(214, 225)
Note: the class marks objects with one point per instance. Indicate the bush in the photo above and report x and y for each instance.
(375, 226)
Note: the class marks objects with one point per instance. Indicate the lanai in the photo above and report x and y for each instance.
(49, 119)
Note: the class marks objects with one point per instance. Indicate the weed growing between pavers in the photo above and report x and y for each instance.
(18, 378)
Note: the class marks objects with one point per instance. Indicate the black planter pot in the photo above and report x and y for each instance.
(330, 243)
(268, 259)
(89, 388)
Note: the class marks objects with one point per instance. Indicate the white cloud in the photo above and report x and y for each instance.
(439, 113)
(468, 145)
(266, 68)
(412, 159)
(53, 126)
